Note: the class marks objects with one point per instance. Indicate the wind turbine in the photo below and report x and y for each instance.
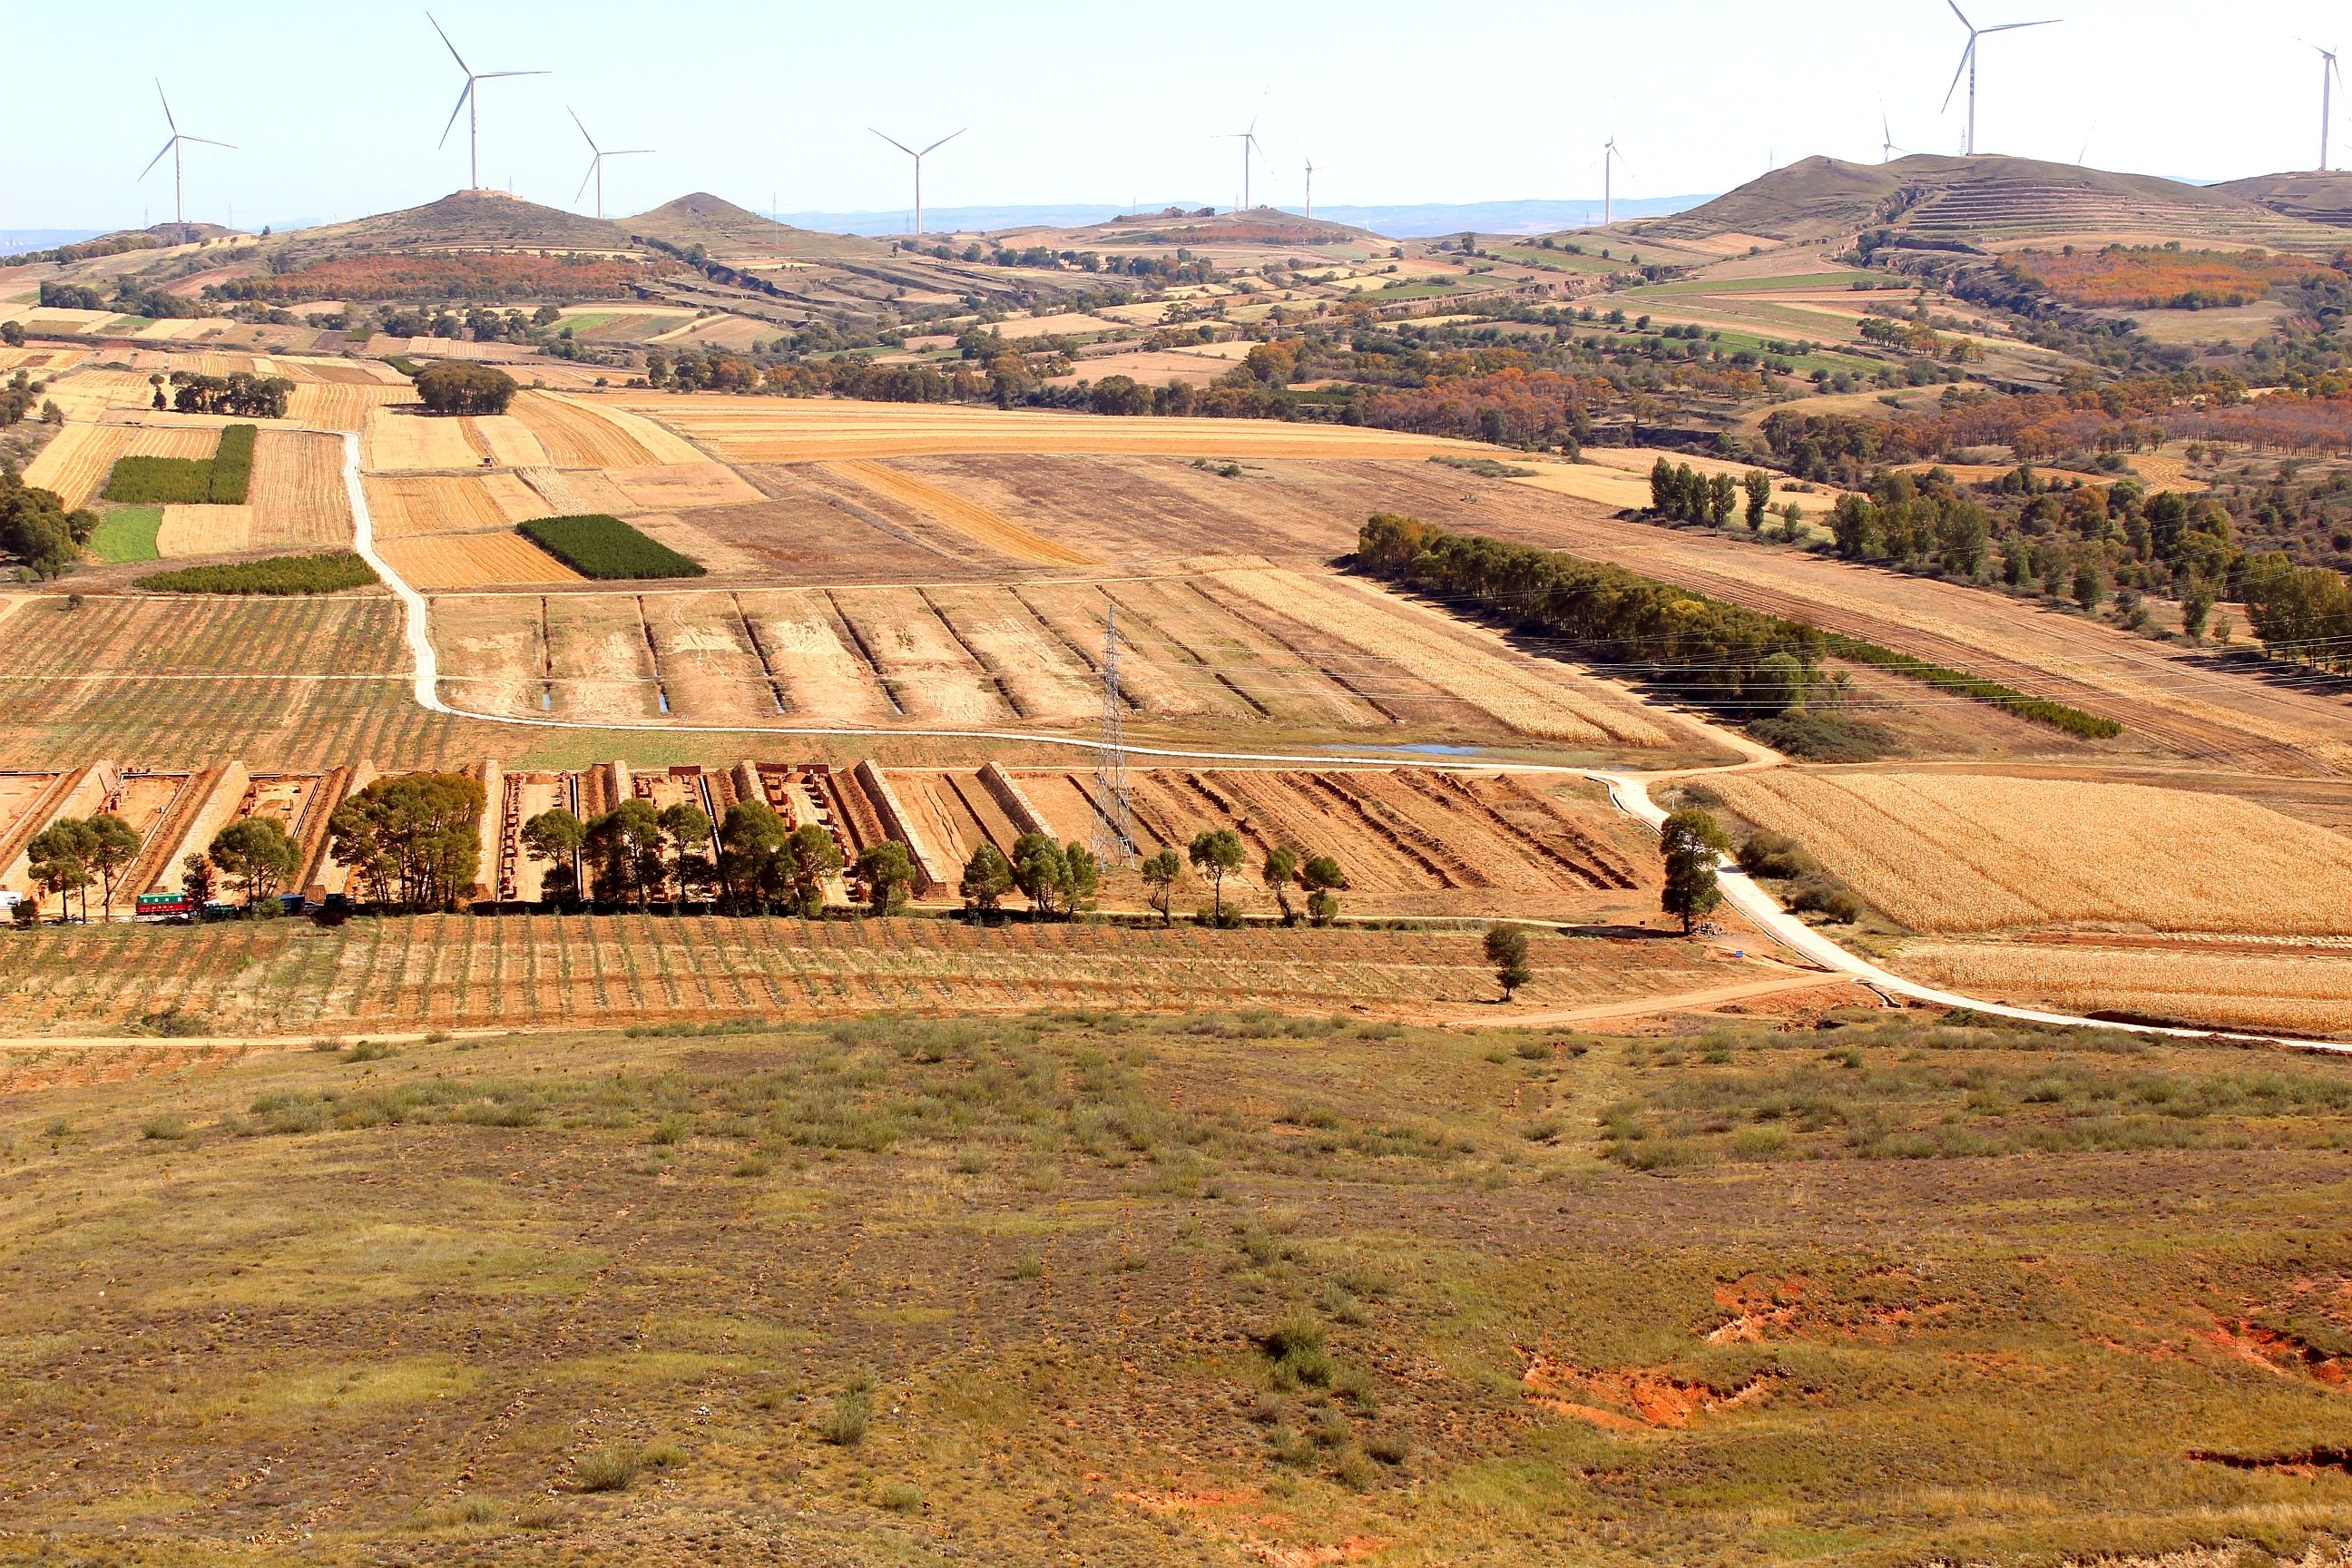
(179, 213)
(1311, 189)
(1969, 64)
(2328, 77)
(1609, 157)
(1886, 147)
(469, 98)
(596, 163)
(919, 158)
(1248, 139)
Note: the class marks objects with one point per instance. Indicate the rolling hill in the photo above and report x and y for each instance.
(1986, 203)
(2316, 197)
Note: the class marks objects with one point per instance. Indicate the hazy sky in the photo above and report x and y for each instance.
(336, 108)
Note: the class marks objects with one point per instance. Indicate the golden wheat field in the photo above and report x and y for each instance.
(76, 461)
(342, 405)
(399, 441)
(298, 499)
(1967, 853)
(205, 530)
(968, 517)
(406, 505)
(2301, 992)
(473, 561)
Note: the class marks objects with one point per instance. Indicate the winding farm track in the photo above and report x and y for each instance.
(1629, 792)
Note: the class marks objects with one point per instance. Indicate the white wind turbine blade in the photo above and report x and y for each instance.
(588, 176)
(463, 94)
(1963, 15)
(942, 141)
(583, 130)
(167, 107)
(210, 143)
(624, 151)
(898, 145)
(2012, 26)
(159, 157)
(450, 46)
(1965, 56)
(493, 75)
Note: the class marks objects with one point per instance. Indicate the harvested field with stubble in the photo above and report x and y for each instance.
(1954, 854)
(403, 439)
(205, 530)
(298, 499)
(585, 433)
(798, 430)
(409, 505)
(77, 460)
(431, 561)
(1230, 1289)
(2300, 992)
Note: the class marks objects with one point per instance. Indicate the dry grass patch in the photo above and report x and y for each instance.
(2304, 994)
(298, 496)
(1964, 853)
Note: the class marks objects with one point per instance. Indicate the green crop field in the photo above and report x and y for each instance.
(596, 545)
(127, 534)
(1229, 1289)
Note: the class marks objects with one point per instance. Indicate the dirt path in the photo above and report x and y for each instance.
(1645, 1007)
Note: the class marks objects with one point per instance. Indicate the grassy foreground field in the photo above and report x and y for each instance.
(1223, 1290)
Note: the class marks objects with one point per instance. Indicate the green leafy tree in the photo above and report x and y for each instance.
(987, 878)
(623, 846)
(1507, 950)
(553, 837)
(258, 855)
(112, 846)
(1041, 870)
(1722, 498)
(1160, 874)
(813, 856)
(687, 829)
(196, 878)
(414, 841)
(1084, 883)
(750, 839)
(884, 875)
(1759, 486)
(1690, 840)
(1324, 880)
(1217, 854)
(58, 860)
(1281, 870)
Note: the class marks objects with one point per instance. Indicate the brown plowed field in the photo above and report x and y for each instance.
(805, 532)
(680, 487)
(298, 494)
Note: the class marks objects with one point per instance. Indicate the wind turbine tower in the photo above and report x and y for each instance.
(471, 101)
(2328, 77)
(1969, 64)
(1311, 189)
(1248, 139)
(919, 158)
(596, 163)
(179, 212)
(1610, 158)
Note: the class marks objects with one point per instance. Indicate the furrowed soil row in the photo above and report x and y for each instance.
(1407, 838)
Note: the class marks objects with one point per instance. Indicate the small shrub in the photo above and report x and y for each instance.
(847, 1422)
(163, 1129)
(607, 1469)
(664, 1455)
(368, 1051)
(901, 1496)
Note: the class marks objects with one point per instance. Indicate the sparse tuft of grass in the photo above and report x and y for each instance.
(610, 1468)
(847, 1420)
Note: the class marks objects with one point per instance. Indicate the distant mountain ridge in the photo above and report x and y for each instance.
(1407, 221)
